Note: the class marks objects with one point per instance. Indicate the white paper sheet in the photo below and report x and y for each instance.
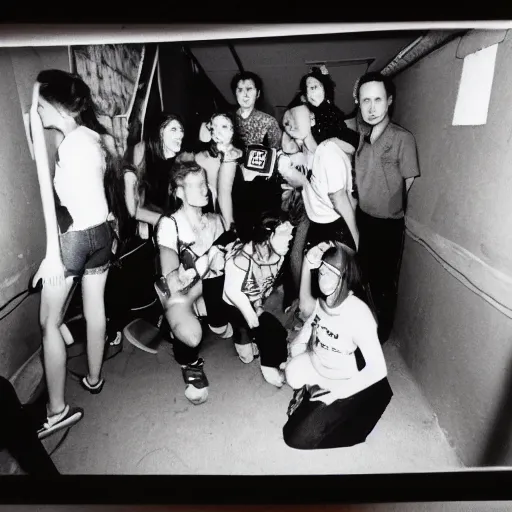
(475, 88)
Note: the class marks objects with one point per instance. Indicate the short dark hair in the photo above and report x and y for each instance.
(376, 77)
(180, 170)
(246, 75)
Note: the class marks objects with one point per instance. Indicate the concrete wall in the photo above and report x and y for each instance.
(457, 344)
(22, 232)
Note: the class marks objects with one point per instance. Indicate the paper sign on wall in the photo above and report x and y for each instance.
(475, 88)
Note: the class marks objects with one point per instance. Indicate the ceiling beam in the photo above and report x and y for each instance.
(421, 47)
(236, 57)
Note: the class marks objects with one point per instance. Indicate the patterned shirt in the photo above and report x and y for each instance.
(258, 125)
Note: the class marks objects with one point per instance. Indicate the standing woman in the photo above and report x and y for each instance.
(78, 236)
(219, 161)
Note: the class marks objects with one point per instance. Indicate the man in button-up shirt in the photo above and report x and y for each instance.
(386, 165)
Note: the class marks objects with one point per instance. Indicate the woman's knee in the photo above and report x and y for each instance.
(296, 437)
(189, 336)
(300, 372)
(185, 327)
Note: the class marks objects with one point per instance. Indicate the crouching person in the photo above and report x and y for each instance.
(192, 273)
(337, 367)
(251, 272)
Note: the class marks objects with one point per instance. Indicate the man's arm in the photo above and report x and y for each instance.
(408, 184)
(337, 170)
(408, 159)
(343, 206)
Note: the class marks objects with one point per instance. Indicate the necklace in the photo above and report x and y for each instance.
(198, 227)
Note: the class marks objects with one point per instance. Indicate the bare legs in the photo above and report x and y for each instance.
(53, 300)
(93, 296)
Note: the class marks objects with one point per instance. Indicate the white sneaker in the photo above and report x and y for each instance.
(196, 396)
(245, 352)
(255, 350)
(196, 389)
(273, 376)
(226, 331)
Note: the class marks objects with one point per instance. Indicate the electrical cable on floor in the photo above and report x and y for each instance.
(27, 292)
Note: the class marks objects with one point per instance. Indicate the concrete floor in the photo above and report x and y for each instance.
(142, 424)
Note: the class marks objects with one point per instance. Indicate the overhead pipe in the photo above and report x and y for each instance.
(420, 48)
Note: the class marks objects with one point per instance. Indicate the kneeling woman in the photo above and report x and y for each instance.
(337, 366)
(251, 272)
(192, 267)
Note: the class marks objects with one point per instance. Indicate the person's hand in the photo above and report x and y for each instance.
(228, 152)
(216, 259)
(295, 349)
(284, 162)
(314, 255)
(293, 177)
(51, 272)
(179, 279)
(328, 397)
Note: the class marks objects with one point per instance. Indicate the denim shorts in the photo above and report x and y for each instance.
(88, 251)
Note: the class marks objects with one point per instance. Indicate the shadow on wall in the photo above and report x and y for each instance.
(498, 449)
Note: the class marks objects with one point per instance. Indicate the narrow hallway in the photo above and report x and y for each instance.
(142, 423)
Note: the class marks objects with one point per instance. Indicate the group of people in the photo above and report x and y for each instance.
(314, 204)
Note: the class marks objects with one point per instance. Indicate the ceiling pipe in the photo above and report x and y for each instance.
(421, 47)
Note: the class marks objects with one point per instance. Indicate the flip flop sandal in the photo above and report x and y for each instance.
(96, 389)
(65, 419)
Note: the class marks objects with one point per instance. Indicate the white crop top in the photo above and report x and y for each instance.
(78, 181)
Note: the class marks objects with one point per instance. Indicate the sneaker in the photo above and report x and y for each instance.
(196, 389)
(226, 331)
(273, 376)
(245, 352)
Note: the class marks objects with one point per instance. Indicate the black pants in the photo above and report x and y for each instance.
(130, 290)
(18, 434)
(346, 422)
(381, 244)
(217, 316)
(337, 230)
(270, 337)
